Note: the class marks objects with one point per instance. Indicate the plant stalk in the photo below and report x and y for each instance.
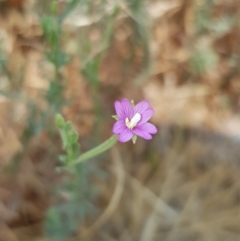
(96, 151)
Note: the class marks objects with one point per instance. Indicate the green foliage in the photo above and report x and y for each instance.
(63, 219)
(54, 96)
(51, 29)
(203, 61)
(205, 22)
(204, 57)
(203, 13)
(69, 139)
(51, 26)
(2, 62)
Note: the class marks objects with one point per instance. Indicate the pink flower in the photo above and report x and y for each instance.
(133, 121)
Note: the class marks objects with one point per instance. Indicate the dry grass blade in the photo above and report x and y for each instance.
(152, 199)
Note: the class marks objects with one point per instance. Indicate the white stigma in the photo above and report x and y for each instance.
(133, 122)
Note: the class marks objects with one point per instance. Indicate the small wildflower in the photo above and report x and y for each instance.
(132, 121)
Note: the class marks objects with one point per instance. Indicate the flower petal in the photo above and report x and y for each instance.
(141, 107)
(142, 133)
(149, 128)
(127, 108)
(146, 115)
(119, 127)
(119, 109)
(125, 135)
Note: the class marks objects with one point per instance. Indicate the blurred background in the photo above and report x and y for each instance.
(76, 57)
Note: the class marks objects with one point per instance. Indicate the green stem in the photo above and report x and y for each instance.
(97, 150)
